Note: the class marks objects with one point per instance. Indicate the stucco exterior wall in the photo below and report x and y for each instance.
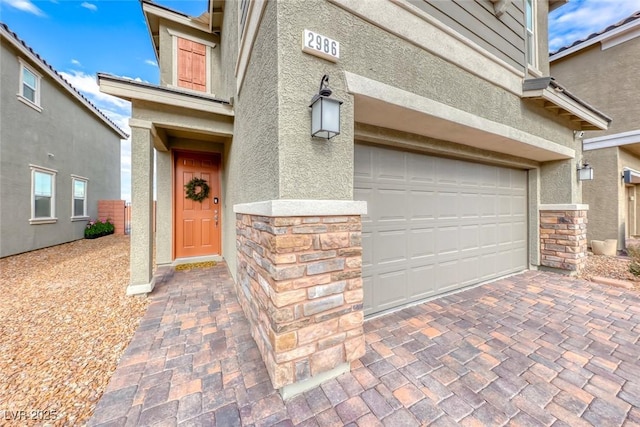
(590, 72)
(251, 160)
(602, 194)
(309, 169)
(81, 144)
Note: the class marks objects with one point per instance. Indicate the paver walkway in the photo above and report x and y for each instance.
(533, 349)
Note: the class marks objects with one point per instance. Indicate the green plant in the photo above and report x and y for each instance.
(634, 253)
(98, 228)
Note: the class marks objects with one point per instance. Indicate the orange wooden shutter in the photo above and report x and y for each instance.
(192, 69)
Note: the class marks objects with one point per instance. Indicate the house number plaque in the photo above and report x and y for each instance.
(320, 46)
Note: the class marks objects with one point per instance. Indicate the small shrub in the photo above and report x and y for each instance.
(634, 253)
(98, 228)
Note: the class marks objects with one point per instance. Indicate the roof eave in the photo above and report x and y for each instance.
(132, 90)
(555, 97)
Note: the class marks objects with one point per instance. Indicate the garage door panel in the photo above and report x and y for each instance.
(421, 281)
(422, 243)
(436, 225)
(488, 235)
(390, 291)
(447, 240)
(368, 290)
(367, 256)
(391, 246)
(447, 202)
(447, 275)
(390, 168)
(392, 205)
(422, 169)
(470, 237)
(422, 204)
(363, 162)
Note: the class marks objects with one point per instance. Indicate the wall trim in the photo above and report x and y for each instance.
(398, 17)
(289, 207)
(564, 207)
(614, 140)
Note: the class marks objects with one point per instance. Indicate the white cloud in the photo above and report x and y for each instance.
(75, 62)
(577, 20)
(92, 7)
(88, 85)
(151, 62)
(24, 5)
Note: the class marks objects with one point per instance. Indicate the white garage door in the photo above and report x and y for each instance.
(435, 224)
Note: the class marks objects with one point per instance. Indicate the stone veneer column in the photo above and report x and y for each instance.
(563, 236)
(300, 286)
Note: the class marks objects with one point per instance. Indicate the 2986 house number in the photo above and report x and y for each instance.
(321, 46)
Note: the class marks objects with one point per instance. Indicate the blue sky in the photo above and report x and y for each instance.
(82, 37)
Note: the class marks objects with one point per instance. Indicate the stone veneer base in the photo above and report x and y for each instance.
(563, 238)
(300, 286)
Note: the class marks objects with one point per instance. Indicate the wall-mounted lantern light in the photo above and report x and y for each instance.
(585, 173)
(325, 112)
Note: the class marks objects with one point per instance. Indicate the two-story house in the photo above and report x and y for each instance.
(455, 161)
(604, 68)
(59, 154)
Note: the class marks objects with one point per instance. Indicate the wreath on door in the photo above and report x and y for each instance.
(197, 190)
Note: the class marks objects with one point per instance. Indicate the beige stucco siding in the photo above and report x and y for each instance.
(601, 194)
(372, 52)
(609, 79)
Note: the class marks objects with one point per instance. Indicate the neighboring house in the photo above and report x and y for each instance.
(605, 68)
(455, 163)
(59, 154)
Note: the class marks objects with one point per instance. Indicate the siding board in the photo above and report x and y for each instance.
(474, 19)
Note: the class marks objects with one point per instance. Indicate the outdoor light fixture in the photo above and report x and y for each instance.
(325, 112)
(585, 173)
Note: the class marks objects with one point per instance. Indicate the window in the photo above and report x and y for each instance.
(79, 188)
(43, 195)
(242, 16)
(192, 65)
(531, 45)
(29, 85)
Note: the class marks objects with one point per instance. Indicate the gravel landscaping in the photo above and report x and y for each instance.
(612, 267)
(65, 321)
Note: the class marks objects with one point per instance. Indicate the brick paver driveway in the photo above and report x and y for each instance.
(533, 349)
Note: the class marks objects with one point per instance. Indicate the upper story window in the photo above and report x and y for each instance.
(192, 65)
(242, 15)
(29, 89)
(531, 44)
(43, 195)
(79, 188)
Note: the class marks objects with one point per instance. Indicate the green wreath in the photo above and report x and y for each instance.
(191, 187)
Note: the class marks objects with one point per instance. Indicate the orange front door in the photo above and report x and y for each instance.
(198, 224)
